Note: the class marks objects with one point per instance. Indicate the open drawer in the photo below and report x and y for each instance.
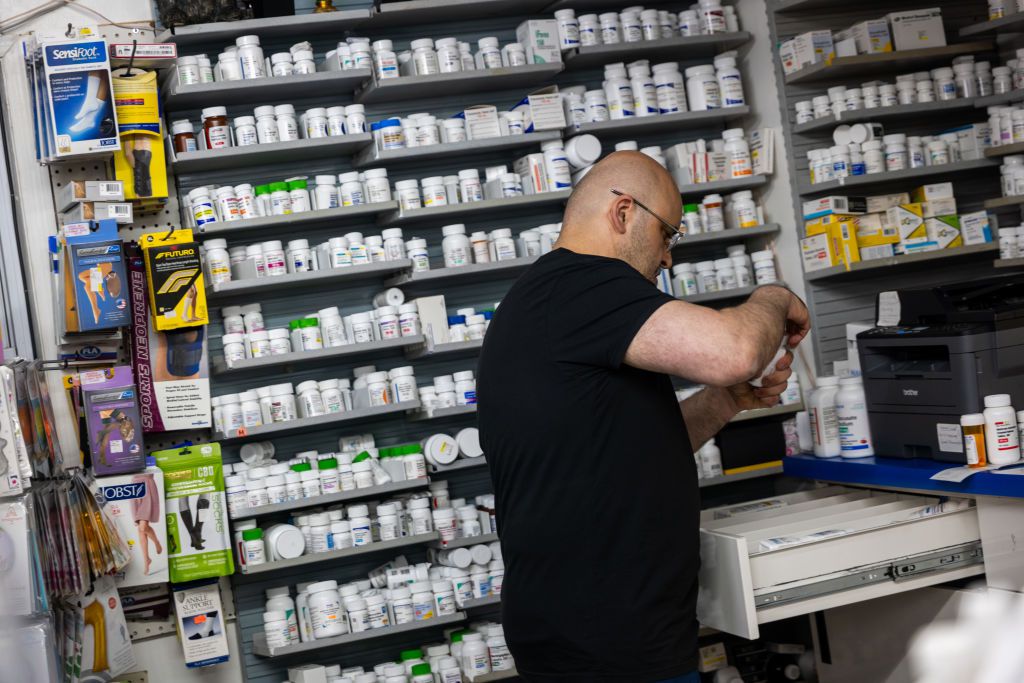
(798, 553)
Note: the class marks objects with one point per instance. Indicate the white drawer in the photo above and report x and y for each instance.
(886, 547)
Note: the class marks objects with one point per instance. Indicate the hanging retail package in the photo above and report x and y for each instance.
(111, 407)
(201, 624)
(136, 504)
(140, 163)
(172, 368)
(198, 539)
(93, 267)
(174, 270)
(101, 621)
(79, 98)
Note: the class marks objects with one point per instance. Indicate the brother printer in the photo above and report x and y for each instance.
(935, 355)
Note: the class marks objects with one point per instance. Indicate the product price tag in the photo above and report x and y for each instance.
(959, 474)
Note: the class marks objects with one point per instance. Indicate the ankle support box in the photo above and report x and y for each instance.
(174, 271)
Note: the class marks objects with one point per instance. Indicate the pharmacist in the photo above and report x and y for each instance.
(590, 454)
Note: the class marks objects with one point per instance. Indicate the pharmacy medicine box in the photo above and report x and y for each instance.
(842, 545)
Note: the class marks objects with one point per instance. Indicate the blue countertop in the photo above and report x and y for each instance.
(898, 473)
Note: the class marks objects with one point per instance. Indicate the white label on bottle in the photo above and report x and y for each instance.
(950, 438)
(971, 448)
(218, 136)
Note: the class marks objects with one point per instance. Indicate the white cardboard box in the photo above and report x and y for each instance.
(917, 29)
(872, 36)
(542, 110)
(975, 228)
(533, 173)
(482, 122)
(539, 37)
(814, 47)
(433, 317)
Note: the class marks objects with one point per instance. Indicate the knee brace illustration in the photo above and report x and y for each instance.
(184, 351)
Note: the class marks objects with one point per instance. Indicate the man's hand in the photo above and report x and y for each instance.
(747, 397)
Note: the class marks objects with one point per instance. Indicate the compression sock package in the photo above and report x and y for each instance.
(174, 271)
(112, 418)
(171, 368)
(136, 504)
(94, 267)
(198, 539)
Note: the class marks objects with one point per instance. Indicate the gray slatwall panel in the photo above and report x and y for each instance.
(278, 309)
(834, 303)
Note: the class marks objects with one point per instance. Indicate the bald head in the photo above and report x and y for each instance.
(602, 223)
(634, 173)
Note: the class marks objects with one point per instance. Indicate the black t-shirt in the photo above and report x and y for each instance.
(594, 479)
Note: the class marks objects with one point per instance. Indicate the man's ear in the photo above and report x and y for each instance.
(618, 214)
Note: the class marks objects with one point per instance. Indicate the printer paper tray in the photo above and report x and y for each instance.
(885, 552)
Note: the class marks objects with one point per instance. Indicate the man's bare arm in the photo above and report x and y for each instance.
(719, 348)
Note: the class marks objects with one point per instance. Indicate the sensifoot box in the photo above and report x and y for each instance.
(80, 97)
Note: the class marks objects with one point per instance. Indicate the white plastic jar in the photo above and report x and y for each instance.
(1002, 438)
(311, 403)
(281, 64)
(504, 247)
(465, 387)
(424, 58)
(448, 58)
(376, 185)
(589, 30)
(355, 119)
(489, 55)
(403, 383)
(455, 246)
(316, 123)
(350, 193)
(434, 192)
(895, 152)
(737, 153)
(282, 403)
(874, 159)
(401, 605)
(714, 216)
(325, 610)
(568, 29)
(670, 89)
(712, 17)
(408, 192)
(299, 256)
(745, 209)
(469, 185)
(556, 166)
(416, 249)
(362, 328)
(702, 89)
(258, 344)
(378, 387)
(335, 121)
(287, 128)
(852, 416)
(610, 32)
(387, 321)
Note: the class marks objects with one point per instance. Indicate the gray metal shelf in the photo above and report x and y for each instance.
(299, 26)
(309, 423)
(332, 498)
(734, 235)
(724, 295)
(885, 62)
(784, 6)
(663, 123)
(312, 279)
(241, 158)
(1004, 202)
(371, 155)
(1008, 263)
(466, 348)
(343, 554)
(458, 83)
(259, 641)
(1005, 150)
(254, 91)
(1010, 24)
(477, 271)
(488, 207)
(441, 413)
(741, 476)
(731, 185)
(888, 177)
(774, 411)
(319, 357)
(841, 271)
(827, 124)
(478, 603)
(679, 47)
(589, 5)
(498, 675)
(467, 542)
(413, 12)
(460, 464)
(306, 219)
(1000, 99)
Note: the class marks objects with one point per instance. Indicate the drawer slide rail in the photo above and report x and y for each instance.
(905, 569)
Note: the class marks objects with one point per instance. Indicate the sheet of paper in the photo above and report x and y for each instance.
(888, 309)
(959, 474)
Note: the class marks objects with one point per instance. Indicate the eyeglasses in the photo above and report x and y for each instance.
(675, 234)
